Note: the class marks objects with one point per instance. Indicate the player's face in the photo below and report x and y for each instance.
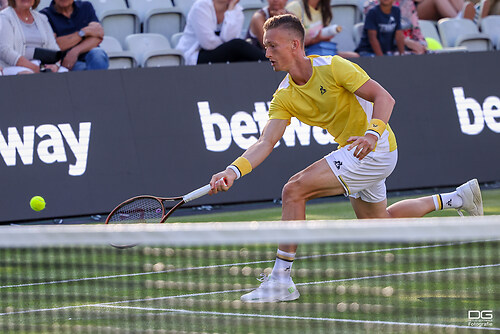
(278, 44)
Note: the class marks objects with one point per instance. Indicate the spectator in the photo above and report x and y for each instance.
(414, 39)
(487, 7)
(3, 4)
(24, 30)
(434, 10)
(256, 32)
(78, 33)
(316, 14)
(382, 34)
(212, 34)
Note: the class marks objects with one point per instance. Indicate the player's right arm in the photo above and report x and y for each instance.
(254, 155)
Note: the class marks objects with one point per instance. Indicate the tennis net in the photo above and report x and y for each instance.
(429, 275)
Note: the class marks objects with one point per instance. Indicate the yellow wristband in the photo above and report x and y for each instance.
(376, 127)
(243, 166)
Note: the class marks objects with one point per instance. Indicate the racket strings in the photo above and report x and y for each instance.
(140, 210)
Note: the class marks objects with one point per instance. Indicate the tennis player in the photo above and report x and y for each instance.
(337, 95)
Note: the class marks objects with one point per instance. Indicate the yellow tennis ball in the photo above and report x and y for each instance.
(37, 203)
(432, 44)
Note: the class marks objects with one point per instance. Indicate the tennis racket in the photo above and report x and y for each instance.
(150, 209)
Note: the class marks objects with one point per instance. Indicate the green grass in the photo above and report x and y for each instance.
(151, 289)
(338, 208)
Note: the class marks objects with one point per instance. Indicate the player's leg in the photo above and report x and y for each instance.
(417, 207)
(315, 181)
(466, 197)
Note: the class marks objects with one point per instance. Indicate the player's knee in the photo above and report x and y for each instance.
(292, 191)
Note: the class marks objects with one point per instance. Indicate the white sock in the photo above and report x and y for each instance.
(447, 201)
(283, 266)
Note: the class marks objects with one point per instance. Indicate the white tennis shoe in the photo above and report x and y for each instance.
(471, 197)
(271, 291)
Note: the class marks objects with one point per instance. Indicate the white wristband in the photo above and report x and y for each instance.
(236, 170)
(372, 132)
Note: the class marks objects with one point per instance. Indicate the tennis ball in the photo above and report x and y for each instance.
(432, 44)
(37, 203)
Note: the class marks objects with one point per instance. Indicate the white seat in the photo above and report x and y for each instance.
(490, 25)
(159, 16)
(346, 14)
(118, 58)
(358, 32)
(463, 32)
(117, 20)
(153, 50)
(165, 21)
(174, 40)
(184, 5)
(43, 4)
(429, 30)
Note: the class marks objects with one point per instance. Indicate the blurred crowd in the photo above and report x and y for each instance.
(66, 35)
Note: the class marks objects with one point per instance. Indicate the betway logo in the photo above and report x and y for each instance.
(244, 128)
(50, 148)
(481, 115)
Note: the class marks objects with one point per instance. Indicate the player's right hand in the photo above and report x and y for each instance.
(222, 181)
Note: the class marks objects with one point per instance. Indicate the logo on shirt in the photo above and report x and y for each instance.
(322, 90)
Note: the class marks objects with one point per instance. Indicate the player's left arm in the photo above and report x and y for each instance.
(383, 103)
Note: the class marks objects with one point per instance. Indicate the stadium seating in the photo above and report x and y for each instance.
(490, 25)
(116, 18)
(174, 40)
(159, 16)
(346, 13)
(118, 58)
(184, 5)
(429, 30)
(358, 32)
(43, 4)
(153, 50)
(463, 32)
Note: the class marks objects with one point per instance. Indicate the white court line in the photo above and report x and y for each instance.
(243, 290)
(237, 264)
(253, 315)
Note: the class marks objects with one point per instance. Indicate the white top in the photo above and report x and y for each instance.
(33, 39)
(13, 40)
(201, 26)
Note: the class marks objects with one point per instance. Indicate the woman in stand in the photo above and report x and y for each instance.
(24, 30)
(212, 34)
(256, 29)
(315, 15)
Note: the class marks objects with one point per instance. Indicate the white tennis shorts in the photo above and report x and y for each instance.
(363, 179)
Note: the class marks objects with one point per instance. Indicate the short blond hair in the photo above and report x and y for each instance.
(286, 21)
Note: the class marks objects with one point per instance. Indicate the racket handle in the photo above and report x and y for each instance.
(197, 193)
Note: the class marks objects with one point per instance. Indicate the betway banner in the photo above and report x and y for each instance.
(87, 141)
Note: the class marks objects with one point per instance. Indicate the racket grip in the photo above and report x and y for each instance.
(197, 193)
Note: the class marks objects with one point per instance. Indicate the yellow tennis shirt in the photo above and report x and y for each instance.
(328, 101)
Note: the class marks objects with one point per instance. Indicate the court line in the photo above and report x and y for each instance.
(253, 315)
(249, 289)
(238, 264)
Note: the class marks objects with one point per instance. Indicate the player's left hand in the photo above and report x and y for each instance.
(362, 145)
